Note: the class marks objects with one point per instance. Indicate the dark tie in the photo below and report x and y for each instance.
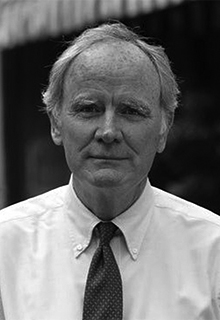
(103, 294)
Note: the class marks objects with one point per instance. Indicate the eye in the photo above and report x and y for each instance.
(89, 108)
(85, 109)
(132, 110)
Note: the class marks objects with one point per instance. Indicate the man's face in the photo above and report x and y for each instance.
(111, 124)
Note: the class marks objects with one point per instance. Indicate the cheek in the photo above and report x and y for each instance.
(144, 139)
(75, 136)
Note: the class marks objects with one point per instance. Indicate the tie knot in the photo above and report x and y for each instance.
(106, 232)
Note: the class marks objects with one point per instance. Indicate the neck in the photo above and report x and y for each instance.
(107, 203)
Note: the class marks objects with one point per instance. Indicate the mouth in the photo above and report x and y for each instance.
(107, 158)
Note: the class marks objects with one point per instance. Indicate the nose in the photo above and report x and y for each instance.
(108, 130)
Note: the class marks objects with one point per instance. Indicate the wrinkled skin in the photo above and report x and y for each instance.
(110, 125)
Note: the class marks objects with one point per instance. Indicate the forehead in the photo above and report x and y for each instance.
(113, 63)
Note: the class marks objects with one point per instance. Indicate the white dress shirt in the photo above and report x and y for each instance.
(168, 252)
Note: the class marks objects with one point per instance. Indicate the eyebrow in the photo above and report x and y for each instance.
(139, 104)
(82, 98)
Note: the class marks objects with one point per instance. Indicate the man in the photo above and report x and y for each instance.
(111, 101)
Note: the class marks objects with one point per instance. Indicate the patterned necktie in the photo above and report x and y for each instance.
(103, 294)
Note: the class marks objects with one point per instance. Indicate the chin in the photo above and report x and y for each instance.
(107, 179)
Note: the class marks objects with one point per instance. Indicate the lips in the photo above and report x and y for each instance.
(104, 157)
(107, 156)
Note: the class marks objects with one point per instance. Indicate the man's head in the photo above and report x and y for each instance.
(111, 100)
(106, 33)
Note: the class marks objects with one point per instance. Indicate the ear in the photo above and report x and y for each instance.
(165, 127)
(55, 130)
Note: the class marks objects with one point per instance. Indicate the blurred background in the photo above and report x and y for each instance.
(32, 35)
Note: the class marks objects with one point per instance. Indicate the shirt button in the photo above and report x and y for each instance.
(135, 250)
(79, 247)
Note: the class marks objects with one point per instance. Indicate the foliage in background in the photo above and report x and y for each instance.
(190, 166)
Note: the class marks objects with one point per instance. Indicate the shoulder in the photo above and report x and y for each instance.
(34, 207)
(186, 210)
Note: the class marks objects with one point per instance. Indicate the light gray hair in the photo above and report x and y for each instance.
(53, 95)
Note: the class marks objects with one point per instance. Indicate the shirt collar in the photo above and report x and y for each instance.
(81, 221)
(133, 223)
